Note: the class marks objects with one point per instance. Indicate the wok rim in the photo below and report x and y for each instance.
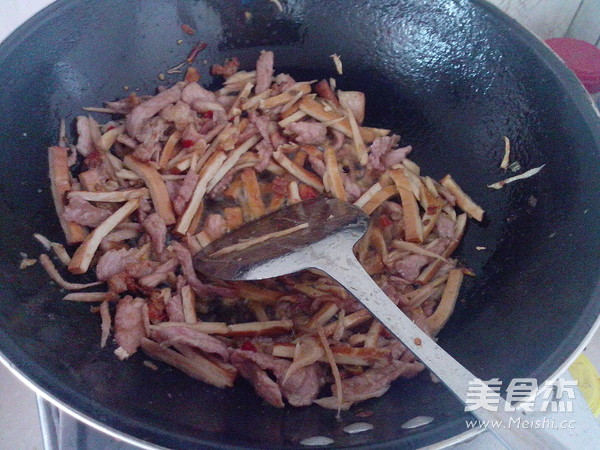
(580, 97)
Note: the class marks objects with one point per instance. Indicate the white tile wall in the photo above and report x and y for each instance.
(19, 422)
(556, 18)
(586, 24)
(546, 18)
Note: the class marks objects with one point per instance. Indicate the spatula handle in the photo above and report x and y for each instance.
(350, 274)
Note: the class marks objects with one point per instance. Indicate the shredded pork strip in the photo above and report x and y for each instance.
(175, 171)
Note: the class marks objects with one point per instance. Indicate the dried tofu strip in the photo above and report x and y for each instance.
(333, 289)
(373, 334)
(429, 272)
(524, 175)
(463, 201)
(506, 157)
(377, 132)
(243, 95)
(314, 109)
(115, 162)
(233, 217)
(87, 296)
(193, 354)
(231, 160)
(350, 321)
(450, 211)
(195, 223)
(253, 329)
(378, 198)
(253, 102)
(60, 184)
(169, 149)
(446, 306)
(252, 159)
(374, 265)
(334, 368)
(338, 334)
(299, 172)
(322, 316)
(306, 352)
(230, 136)
(199, 368)
(205, 327)
(378, 242)
(106, 323)
(357, 339)
(334, 174)
(292, 102)
(432, 204)
(80, 262)
(277, 201)
(253, 206)
(259, 311)
(368, 195)
(43, 240)
(231, 88)
(285, 97)
(206, 174)
(432, 284)
(156, 186)
(357, 140)
(417, 249)
(410, 165)
(240, 77)
(100, 110)
(127, 175)
(413, 227)
(188, 299)
(113, 196)
(415, 181)
(257, 294)
(341, 354)
(424, 294)
(225, 129)
(294, 193)
(313, 151)
(53, 273)
(61, 253)
(108, 139)
(337, 61)
(308, 290)
(295, 117)
(362, 247)
(250, 242)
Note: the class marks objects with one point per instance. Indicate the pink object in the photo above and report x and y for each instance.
(582, 58)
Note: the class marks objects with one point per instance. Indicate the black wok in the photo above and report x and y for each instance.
(452, 77)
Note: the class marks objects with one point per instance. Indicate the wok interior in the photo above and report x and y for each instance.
(452, 77)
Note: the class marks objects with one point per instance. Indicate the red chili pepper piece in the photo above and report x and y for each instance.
(384, 221)
(248, 346)
(208, 115)
(307, 192)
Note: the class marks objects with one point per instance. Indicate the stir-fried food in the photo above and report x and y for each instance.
(142, 193)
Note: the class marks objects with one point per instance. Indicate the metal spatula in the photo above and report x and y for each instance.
(321, 234)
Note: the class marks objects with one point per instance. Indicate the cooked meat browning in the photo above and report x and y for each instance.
(182, 168)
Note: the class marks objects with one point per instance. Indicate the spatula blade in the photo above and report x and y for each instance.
(285, 254)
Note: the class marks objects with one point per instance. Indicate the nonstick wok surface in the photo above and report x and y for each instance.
(452, 77)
